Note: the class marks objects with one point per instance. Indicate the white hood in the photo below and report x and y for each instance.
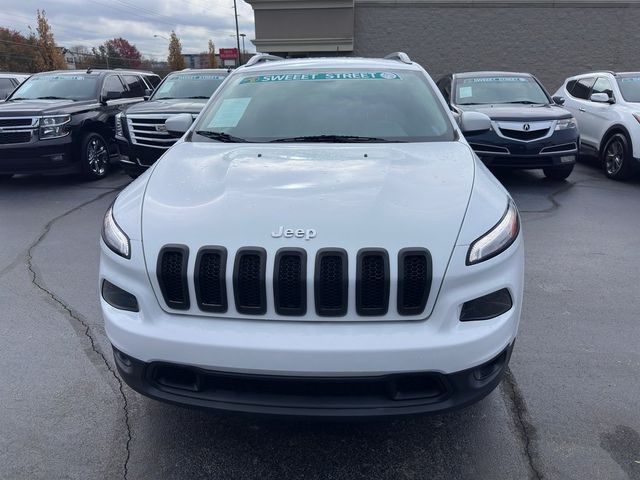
(390, 196)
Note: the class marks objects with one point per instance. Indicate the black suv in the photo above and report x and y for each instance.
(140, 131)
(64, 121)
(529, 128)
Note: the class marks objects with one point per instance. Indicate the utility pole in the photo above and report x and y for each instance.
(235, 11)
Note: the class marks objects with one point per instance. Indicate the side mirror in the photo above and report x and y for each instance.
(558, 100)
(474, 122)
(601, 98)
(147, 93)
(177, 125)
(112, 95)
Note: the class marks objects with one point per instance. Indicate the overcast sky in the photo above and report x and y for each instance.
(91, 22)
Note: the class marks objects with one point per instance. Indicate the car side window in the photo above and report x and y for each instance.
(112, 84)
(603, 85)
(582, 88)
(6, 87)
(153, 80)
(135, 86)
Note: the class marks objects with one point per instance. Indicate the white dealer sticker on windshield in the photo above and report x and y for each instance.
(466, 92)
(166, 86)
(229, 113)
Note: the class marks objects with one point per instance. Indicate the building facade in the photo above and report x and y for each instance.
(551, 38)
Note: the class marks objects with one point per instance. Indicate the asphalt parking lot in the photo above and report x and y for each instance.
(568, 409)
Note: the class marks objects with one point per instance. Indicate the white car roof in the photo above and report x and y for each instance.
(329, 62)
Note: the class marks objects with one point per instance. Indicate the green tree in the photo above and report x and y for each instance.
(212, 55)
(48, 55)
(175, 58)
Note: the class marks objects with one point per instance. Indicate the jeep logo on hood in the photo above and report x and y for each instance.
(307, 234)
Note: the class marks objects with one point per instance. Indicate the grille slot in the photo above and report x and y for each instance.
(149, 131)
(249, 281)
(9, 137)
(372, 282)
(172, 276)
(17, 122)
(414, 280)
(210, 281)
(290, 282)
(331, 283)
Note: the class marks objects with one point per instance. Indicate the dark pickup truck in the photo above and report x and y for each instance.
(140, 131)
(64, 121)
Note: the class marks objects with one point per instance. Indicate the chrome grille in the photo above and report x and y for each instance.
(14, 130)
(149, 131)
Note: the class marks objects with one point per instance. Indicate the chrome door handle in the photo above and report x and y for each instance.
(582, 110)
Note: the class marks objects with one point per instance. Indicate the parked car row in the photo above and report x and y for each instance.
(71, 121)
(64, 121)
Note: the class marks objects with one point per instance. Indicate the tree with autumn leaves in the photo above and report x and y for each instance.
(48, 56)
(175, 58)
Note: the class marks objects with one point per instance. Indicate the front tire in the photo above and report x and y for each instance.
(616, 158)
(94, 156)
(558, 173)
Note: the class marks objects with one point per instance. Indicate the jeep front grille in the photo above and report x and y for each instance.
(255, 290)
(149, 131)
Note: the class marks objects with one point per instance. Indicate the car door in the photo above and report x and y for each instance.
(576, 103)
(598, 117)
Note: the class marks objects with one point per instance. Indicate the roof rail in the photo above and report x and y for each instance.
(262, 57)
(400, 56)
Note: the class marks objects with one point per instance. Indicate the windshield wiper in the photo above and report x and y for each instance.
(199, 96)
(51, 97)
(164, 98)
(332, 139)
(221, 136)
(524, 102)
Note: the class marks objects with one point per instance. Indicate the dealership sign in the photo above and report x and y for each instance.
(228, 53)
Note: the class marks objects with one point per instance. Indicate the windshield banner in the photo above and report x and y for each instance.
(289, 77)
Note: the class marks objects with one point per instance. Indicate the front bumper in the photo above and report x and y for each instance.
(559, 149)
(386, 395)
(46, 156)
(137, 158)
(439, 346)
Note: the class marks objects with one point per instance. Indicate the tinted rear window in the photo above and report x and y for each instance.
(582, 87)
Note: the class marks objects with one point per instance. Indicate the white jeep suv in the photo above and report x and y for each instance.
(321, 241)
(606, 106)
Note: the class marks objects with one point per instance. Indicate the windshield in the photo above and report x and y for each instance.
(327, 106)
(188, 86)
(66, 87)
(630, 87)
(499, 89)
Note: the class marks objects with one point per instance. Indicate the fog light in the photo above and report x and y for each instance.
(118, 298)
(567, 159)
(486, 307)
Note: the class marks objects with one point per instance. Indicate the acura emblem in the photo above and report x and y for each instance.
(526, 127)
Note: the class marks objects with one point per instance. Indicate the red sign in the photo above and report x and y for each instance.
(228, 53)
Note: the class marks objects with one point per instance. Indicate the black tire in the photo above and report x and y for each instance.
(616, 157)
(94, 156)
(558, 173)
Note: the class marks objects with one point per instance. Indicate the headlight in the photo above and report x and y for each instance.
(119, 128)
(54, 126)
(496, 240)
(113, 235)
(566, 123)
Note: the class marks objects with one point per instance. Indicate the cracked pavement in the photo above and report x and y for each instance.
(567, 409)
